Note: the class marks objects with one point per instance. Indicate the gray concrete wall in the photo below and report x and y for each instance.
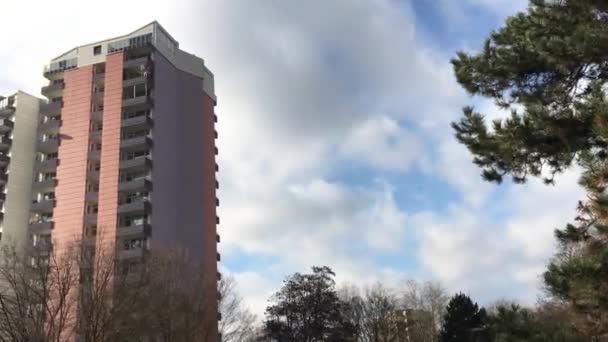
(21, 171)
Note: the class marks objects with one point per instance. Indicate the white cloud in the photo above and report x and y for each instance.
(470, 250)
(382, 143)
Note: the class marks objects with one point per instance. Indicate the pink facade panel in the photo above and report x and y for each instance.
(110, 152)
(73, 153)
(72, 169)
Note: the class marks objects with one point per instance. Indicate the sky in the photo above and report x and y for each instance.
(335, 146)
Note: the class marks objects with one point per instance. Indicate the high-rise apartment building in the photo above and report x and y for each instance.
(122, 153)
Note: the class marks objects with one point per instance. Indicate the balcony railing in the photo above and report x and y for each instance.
(135, 185)
(137, 206)
(47, 165)
(4, 160)
(6, 125)
(5, 143)
(136, 143)
(7, 109)
(131, 43)
(90, 219)
(51, 108)
(142, 121)
(45, 184)
(134, 230)
(131, 253)
(50, 125)
(133, 81)
(48, 145)
(97, 115)
(39, 227)
(53, 90)
(95, 155)
(143, 101)
(91, 196)
(43, 206)
(136, 62)
(136, 163)
(60, 66)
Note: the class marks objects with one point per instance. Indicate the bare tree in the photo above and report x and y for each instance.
(53, 296)
(376, 312)
(38, 298)
(238, 324)
(426, 304)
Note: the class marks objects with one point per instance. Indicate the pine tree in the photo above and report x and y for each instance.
(463, 320)
(549, 65)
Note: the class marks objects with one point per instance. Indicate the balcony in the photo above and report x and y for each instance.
(45, 184)
(53, 90)
(43, 206)
(140, 101)
(138, 206)
(136, 143)
(141, 184)
(143, 41)
(97, 97)
(99, 77)
(90, 219)
(142, 121)
(5, 143)
(133, 81)
(95, 155)
(41, 227)
(50, 125)
(136, 63)
(91, 196)
(139, 163)
(134, 230)
(47, 165)
(7, 110)
(97, 115)
(93, 175)
(131, 253)
(4, 160)
(6, 125)
(48, 145)
(51, 108)
(95, 135)
(60, 66)
(89, 240)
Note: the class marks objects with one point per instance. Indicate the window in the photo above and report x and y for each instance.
(97, 50)
(138, 90)
(134, 244)
(135, 197)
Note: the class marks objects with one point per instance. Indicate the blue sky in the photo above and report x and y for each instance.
(334, 138)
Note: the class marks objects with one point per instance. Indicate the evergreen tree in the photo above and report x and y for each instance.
(551, 62)
(463, 320)
(307, 309)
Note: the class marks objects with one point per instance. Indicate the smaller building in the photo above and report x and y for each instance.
(19, 120)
